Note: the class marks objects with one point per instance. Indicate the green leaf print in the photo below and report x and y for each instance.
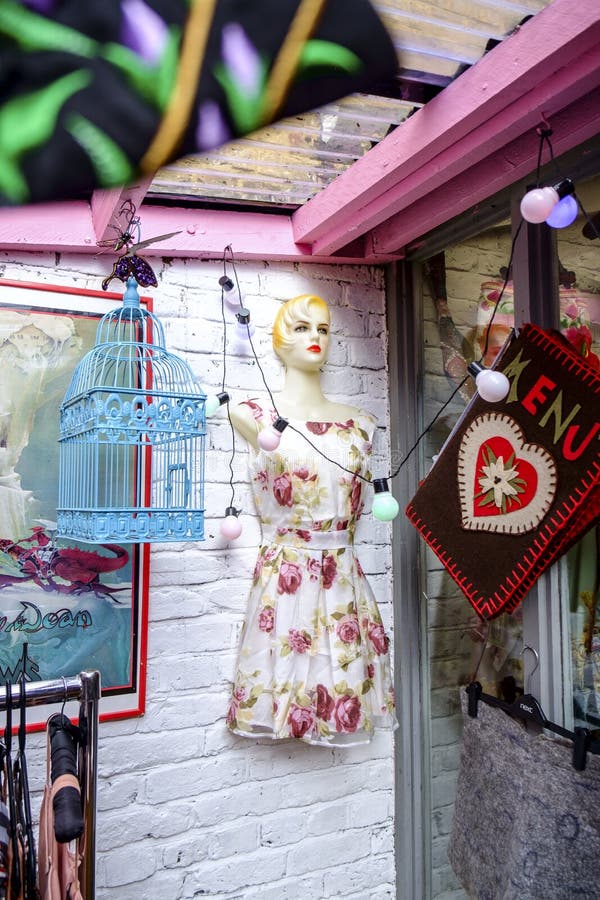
(245, 104)
(326, 53)
(26, 122)
(153, 82)
(110, 163)
(34, 32)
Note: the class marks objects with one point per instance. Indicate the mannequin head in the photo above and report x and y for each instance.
(300, 329)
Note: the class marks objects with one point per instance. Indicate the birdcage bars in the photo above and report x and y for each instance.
(132, 436)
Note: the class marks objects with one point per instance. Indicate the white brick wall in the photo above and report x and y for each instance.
(186, 809)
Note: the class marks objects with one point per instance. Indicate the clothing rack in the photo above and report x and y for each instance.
(85, 688)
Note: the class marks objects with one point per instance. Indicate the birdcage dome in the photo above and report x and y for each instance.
(132, 431)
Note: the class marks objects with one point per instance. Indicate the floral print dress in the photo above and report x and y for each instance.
(313, 660)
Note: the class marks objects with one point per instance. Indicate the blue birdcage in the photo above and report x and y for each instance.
(132, 433)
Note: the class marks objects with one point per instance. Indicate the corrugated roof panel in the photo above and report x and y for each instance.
(288, 162)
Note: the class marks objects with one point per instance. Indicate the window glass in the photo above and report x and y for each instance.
(460, 289)
(578, 247)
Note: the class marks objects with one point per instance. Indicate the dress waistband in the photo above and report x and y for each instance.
(311, 540)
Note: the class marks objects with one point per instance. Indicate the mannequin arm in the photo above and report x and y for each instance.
(244, 423)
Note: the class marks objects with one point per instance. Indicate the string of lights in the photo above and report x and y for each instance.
(551, 204)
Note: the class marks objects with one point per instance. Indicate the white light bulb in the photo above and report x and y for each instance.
(491, 385)
(244, 328)
(538, 203)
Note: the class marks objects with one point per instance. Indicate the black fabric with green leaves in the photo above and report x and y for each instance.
(84, 84)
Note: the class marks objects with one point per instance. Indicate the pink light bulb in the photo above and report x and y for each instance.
(537, 204)
(564, 213)
(270, 437)
(231, 527)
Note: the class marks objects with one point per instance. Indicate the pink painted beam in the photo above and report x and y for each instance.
(544, 101)
(111, 208)
(572, 126)
(544, 49)
(65, 226)
(68, 227)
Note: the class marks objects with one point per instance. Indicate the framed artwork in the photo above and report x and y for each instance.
(77, 606)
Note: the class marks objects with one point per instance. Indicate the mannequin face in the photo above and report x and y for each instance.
(307, 341)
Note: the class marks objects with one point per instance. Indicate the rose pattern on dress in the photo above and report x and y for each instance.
(299, 641)
(346, 713)
(325, 703)
(301, 720)
(266, 619)
(328, 571)
(318, 427)
(282, 490)
(378, 638)
(348, 629)
(290, 578)
(313, 661)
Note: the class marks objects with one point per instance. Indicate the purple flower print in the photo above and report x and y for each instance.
(301, 719)
(43, 6)
(325, 703)
(143, 30)
(329, 571)
(241, 58)
(282, 490)
(300, 641)
(212, 130)
(347, 713)
(348, 630)
(290, 578)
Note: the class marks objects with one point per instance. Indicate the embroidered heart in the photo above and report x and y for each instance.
(505, 484)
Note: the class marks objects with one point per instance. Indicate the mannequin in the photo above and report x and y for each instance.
(301, 341)
(313, 661)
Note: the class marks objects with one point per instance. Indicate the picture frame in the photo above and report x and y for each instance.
(77, 606)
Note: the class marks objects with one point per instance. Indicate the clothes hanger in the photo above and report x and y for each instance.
(22, 790)
(528, 709)
(15, 868)
(64, 743)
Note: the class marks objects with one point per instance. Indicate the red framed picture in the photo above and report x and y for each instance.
(77, 606)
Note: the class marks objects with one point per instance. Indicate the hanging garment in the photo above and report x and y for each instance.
(314, 657)
(526, 823)
(58, 863)
(92, 94)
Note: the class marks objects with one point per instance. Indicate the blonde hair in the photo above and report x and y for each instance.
(292, 311)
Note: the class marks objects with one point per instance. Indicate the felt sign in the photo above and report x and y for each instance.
(517, 482)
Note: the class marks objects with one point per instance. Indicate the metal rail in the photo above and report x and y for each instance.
(85, 688)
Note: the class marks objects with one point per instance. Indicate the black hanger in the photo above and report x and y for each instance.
(22, 790)
(528, 709)
(15, 869)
